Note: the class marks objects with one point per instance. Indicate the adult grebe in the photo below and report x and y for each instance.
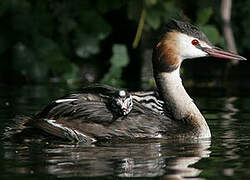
(87, 118)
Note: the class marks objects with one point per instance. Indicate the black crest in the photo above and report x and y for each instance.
(187, 29)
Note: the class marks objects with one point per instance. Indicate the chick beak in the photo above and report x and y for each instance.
(219, 53)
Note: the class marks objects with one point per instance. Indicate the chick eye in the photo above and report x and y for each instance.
(195, 42)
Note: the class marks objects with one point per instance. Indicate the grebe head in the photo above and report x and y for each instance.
(184, 41)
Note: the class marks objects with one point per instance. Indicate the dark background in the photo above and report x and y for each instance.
(80, 42)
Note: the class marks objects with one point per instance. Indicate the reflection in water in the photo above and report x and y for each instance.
(228, 118)
(138, 159)
(229, 133)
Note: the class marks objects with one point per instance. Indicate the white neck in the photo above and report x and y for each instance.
(178, 102)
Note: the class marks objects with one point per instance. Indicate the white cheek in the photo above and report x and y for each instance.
(186, 49)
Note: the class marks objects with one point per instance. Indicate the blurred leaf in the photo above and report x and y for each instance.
(120, 56)
(153, 18)
(86, 45)
(87, 39)
(118, 60)
(212, 33)
(93, 24)
(170, 10)
(150, 2)
(162, 11)
(204, 16)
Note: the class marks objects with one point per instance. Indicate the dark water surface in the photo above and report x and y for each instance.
(225, 156)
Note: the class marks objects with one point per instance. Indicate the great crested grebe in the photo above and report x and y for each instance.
(86, 117)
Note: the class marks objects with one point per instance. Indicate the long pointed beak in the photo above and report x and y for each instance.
(219, 53)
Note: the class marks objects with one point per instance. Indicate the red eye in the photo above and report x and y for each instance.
(195, 42)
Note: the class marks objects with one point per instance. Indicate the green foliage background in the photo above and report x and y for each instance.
(51, 40)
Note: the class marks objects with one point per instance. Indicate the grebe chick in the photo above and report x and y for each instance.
(119, 101)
